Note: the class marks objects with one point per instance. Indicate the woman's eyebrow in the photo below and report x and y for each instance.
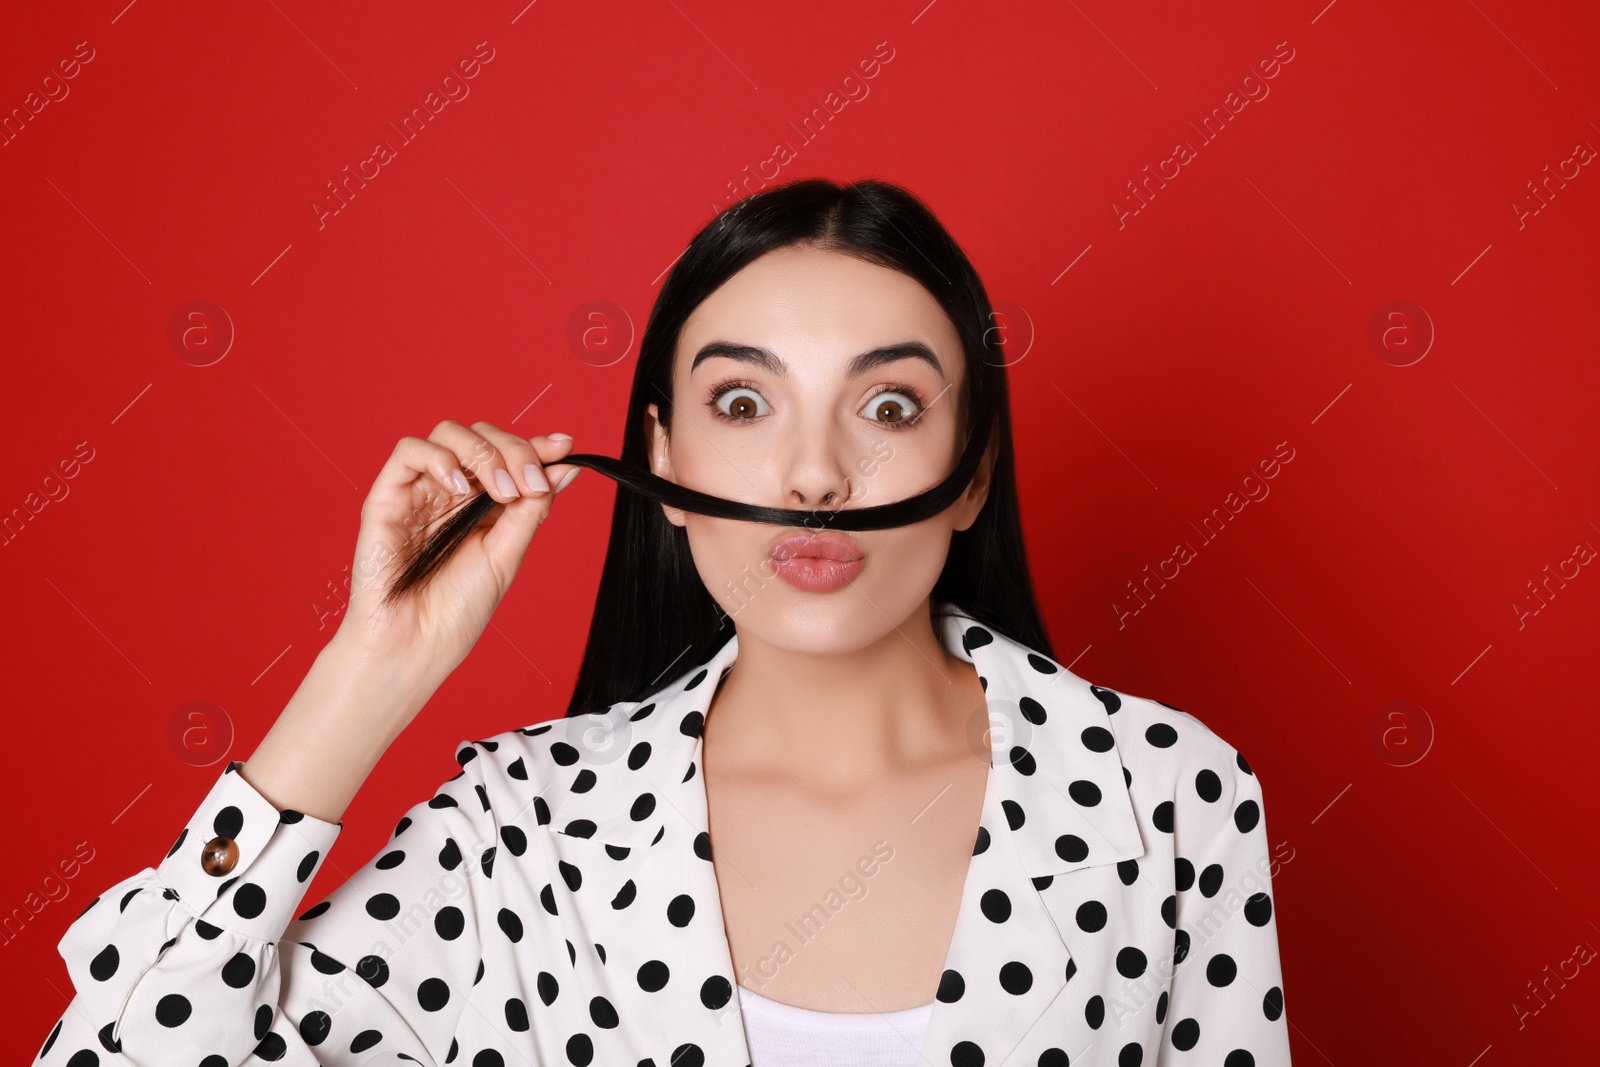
(773, 363)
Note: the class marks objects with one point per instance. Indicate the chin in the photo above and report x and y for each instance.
(845, 620)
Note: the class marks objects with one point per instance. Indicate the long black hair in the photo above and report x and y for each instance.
(652, 614)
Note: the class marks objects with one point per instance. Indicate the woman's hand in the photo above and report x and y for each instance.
(384, 663)
(426, 634)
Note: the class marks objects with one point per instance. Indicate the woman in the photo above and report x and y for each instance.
(933, 843)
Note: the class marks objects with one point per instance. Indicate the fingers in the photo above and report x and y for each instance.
(466, 452)
(506, 542)
(520, 461)
(560, 475)
(454, 457)
(414, 456)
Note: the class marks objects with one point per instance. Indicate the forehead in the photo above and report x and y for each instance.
(820, 307)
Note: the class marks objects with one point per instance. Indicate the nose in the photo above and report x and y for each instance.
(830, 498)
(814, 490)
(818, 478)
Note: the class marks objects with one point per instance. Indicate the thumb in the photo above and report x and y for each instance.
(506, 542)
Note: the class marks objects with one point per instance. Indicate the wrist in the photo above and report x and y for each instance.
(379, 689)
(334, 730)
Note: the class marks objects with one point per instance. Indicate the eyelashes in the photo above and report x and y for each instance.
(909, 392)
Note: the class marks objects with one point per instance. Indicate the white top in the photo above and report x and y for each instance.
(783, 1035)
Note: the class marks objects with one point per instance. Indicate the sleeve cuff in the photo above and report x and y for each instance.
(241, 863)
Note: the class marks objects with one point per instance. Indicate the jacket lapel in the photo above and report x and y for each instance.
(1055, 802)
(672, 984)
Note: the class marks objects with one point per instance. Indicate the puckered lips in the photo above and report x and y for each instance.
(817, 563)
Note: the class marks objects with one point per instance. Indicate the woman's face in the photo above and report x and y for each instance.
(815, 380)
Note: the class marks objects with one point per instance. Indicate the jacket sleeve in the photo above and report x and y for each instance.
(199, 960)
(1227, 986)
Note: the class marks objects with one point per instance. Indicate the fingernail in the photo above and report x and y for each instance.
(573, 473)
(535, 478)
(559, 436)
(505, 484)
(458, 482)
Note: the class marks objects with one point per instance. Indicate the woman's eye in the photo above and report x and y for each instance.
(892, 407)
(740, 403)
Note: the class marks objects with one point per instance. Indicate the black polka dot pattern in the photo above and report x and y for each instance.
(555, 902)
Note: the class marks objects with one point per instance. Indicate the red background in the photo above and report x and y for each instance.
(188, 557)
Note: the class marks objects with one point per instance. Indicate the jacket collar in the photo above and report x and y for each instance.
(1052, 756)
(1056, 801)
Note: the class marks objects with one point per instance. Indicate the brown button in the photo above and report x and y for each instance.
(219, 856)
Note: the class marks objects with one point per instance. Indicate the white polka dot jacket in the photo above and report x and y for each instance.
(554, 904)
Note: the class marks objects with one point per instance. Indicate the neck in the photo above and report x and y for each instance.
(838, 720)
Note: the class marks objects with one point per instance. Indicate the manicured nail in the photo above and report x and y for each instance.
(573, 473)
(535, 478)
(458, 482)
(503, 482)
(559, 436)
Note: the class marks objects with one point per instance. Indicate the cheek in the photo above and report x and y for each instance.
(891, 468)
(721, 535)
(731, 466)
(726, 550)
(909, 553)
